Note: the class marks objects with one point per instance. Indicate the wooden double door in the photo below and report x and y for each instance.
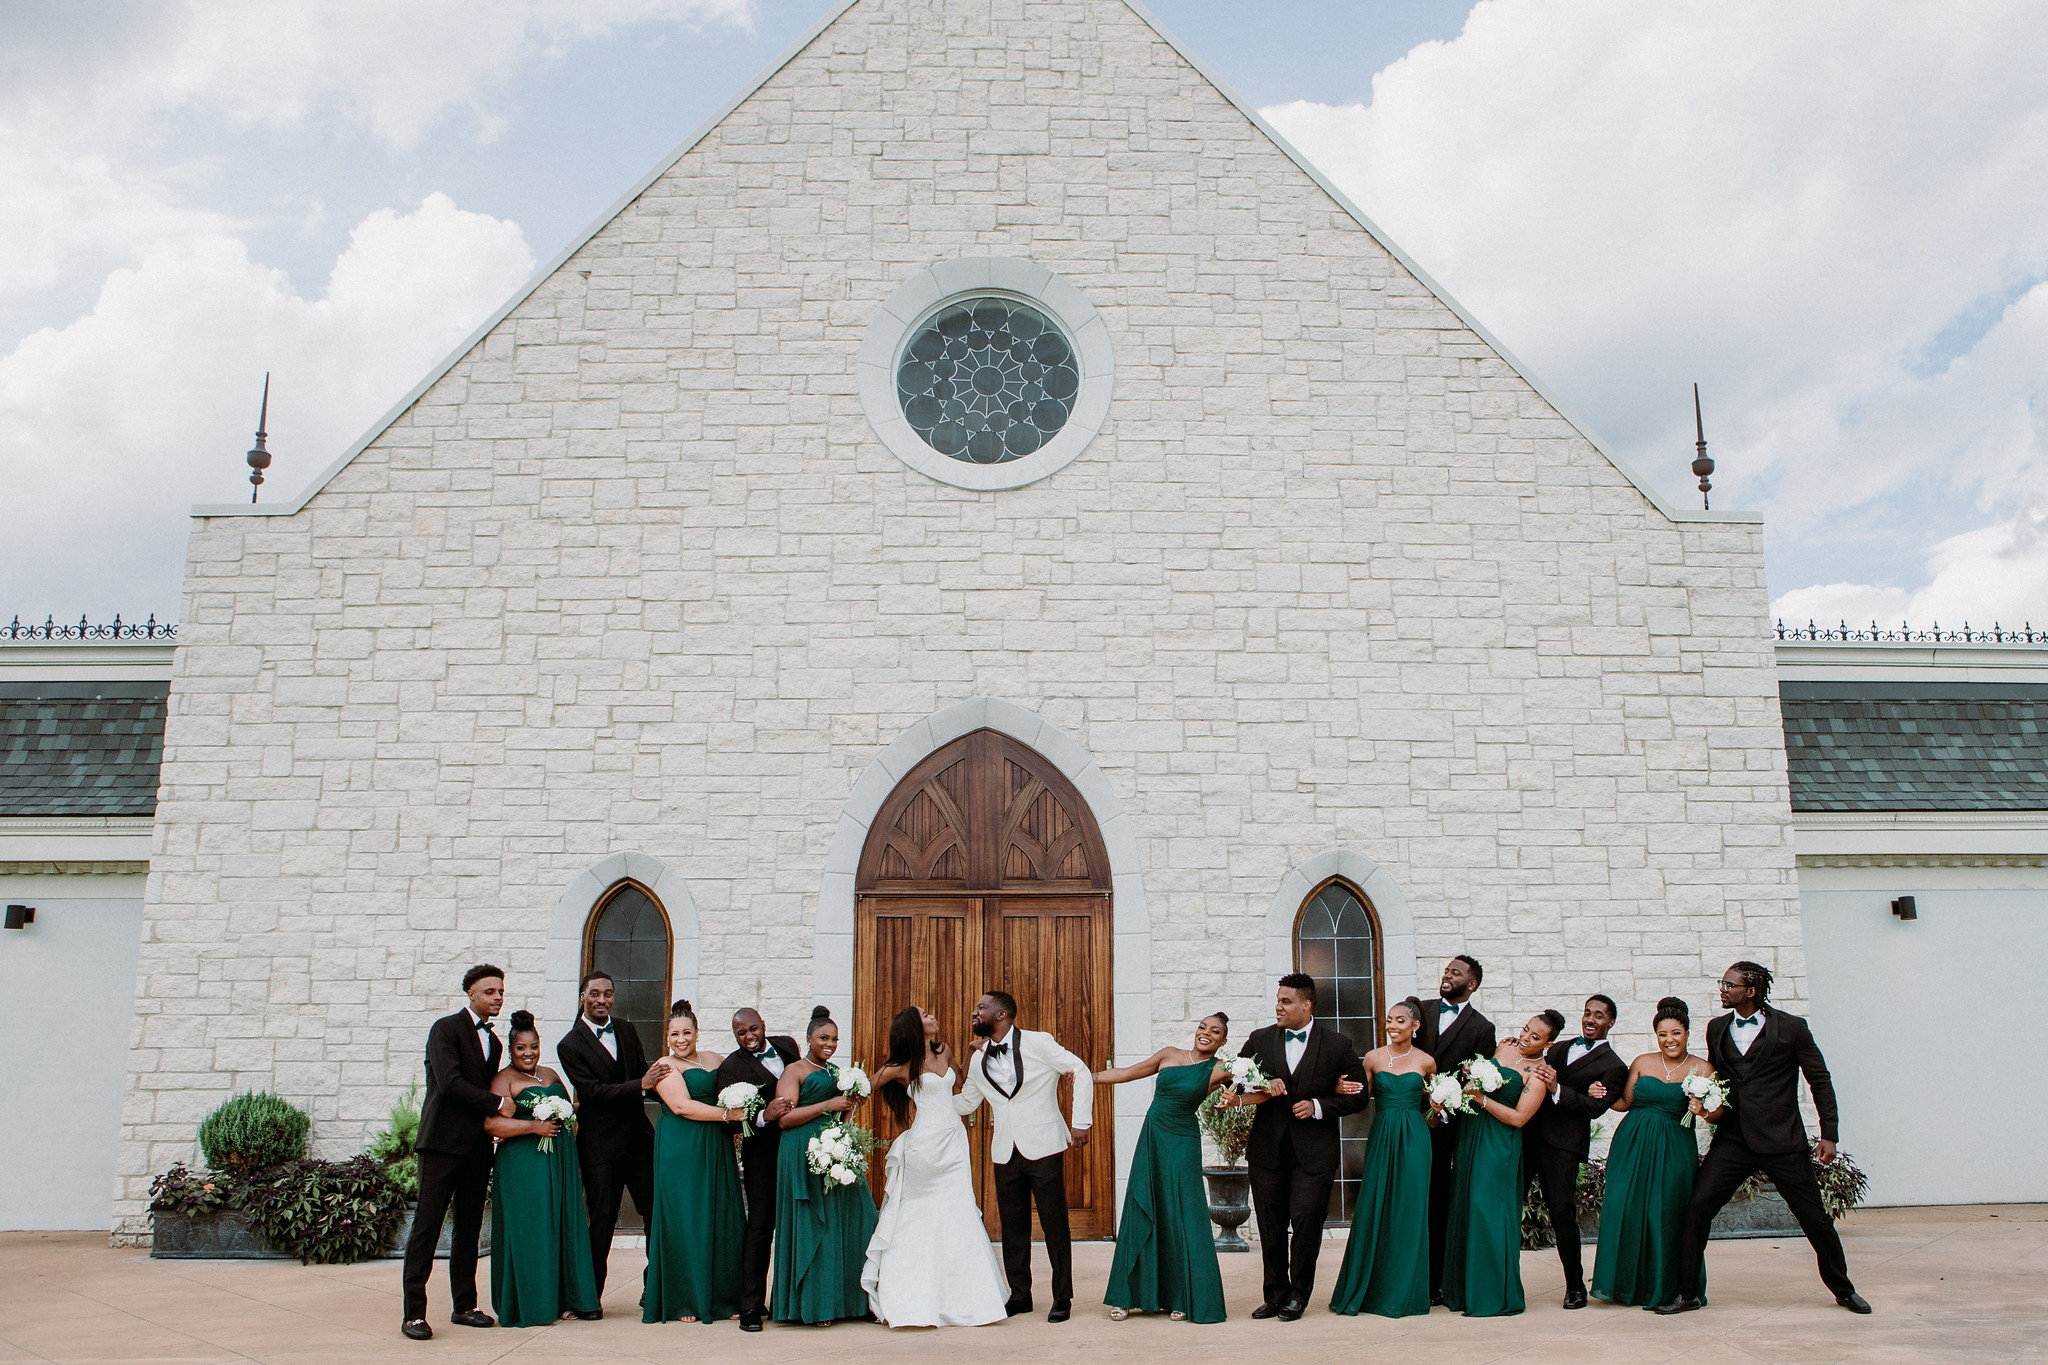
(984, 871)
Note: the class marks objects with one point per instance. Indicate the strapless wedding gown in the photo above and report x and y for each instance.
(930, 1263)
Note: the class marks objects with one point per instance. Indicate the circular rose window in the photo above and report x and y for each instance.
(987, 380)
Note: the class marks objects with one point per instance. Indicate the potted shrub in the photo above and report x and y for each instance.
(199, 1214)
(325, 1212)
(253, 1131)
(1230, 1185)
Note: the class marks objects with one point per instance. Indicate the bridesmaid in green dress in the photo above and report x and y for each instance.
(1483, 1242)
(821, 1235)
(1165, 1253)
(697, 1228)
(1386, 1261)
(1650, 1171)
(540, 1236)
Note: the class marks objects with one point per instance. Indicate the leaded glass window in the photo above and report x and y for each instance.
(629, 938)
(987, 380)
(1337, 943)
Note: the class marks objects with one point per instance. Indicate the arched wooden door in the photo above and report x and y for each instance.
(984, 870)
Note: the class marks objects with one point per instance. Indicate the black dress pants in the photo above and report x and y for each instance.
(1558, 1173)
(1443, 1145)
(1728, 1163)
(758, 1251)
(1020, 1182)
(446, 1178)
(1289, 1194)
(604, 1185)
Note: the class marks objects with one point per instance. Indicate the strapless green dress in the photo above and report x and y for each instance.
(1386, 1261)
(1165, 1252)
(697, 1230)
(821, 1236)
(540, 1235)
(1650, 1170)
(1483, 1240)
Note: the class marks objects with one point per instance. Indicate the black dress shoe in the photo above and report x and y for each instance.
(418, 1330)
(1575, 1299)
(1682, 1304)
(1265, 1310)
(1292, 1310)
(473, 1317)
(590, 1315)
(1436, 1298)
(1060, 1312)
(1016, 1306)
(1852, 1301)
(750, 1322)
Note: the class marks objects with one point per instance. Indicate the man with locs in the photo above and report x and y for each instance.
(1295, 1144)
(1453, 1032)
(1761, 1051)
(759, 1061)
(605, 1062)
(454, 1151)
(1584, 1078)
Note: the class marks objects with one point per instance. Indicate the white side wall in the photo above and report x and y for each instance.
(1904, 1012)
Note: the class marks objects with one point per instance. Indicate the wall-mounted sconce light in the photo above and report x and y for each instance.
(20, 916)
(1904, 909)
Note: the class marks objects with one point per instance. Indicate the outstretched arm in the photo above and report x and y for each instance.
(1137, 1071)
(1084, 1087)
(969, 1098)
(1815, 1068)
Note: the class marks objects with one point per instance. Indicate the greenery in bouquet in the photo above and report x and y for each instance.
(195, 1194)
(394, 1145)
(838, 1154)
(326, 1212)
(253, 1131)
(1228, 1126)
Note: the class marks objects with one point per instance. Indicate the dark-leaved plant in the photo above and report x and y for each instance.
(326, 1212)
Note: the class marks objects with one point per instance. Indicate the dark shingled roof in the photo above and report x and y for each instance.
(81, 748)
(1925, 746)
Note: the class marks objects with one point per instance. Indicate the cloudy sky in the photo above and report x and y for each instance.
(1834, 218)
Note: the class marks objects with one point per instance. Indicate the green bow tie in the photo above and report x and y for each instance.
(1294, 1037)
(606, 1029)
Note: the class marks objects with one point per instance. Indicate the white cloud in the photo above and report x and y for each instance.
(1996, 576)
(110, 427)
(1808, 208)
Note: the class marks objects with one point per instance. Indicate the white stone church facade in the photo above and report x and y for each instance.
(659, 581)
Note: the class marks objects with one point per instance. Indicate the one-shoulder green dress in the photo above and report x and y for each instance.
(540, 1235)
(1386, 1262)
(821, 1235)
(696, 1232)
(1650, 1170)
(1165, 1252)
(1483, 1240)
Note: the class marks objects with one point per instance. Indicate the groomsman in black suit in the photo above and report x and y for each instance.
(605, 1062)
(1294, 1148)
(759, 1061)
(1453, 1032)
(1586, 1078)
(1763, 1051)
(454, 1152)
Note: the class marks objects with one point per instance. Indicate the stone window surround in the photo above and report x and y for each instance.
(566, 933)
(947, 282)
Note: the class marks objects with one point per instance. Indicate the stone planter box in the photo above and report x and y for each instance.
(1767, 1215)
(210, 1237)
(397, 1252)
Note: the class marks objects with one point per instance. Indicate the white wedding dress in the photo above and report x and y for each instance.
(930, 1263)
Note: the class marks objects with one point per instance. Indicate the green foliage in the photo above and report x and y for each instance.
(326, 1212)
(195, 1194)
(1230, 1129)
(394, 1145)
(253, 1131)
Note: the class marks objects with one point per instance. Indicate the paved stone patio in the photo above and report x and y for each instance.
(1949, 1284)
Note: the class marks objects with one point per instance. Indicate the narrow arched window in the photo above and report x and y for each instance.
(628, 936)
(1337, 941)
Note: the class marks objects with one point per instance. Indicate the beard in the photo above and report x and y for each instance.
(984, 1030)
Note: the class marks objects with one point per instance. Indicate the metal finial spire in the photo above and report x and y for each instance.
(1702, 464)
(259, 458)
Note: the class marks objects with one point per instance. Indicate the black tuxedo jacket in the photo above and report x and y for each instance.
(459, 1096)
(611, 1117)
(1328, 1058)
(760, 1144)
(1472, 1036)
(1567, 1123)
(1765, 1083)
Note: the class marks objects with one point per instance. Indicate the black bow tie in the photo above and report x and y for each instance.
(484, 1025)
(1750, 1022)
(997, 1049)
(765, 1052)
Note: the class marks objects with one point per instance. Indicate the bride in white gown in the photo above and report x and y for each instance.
(930, 1262)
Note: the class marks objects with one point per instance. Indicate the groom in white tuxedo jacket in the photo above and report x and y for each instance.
(1017, 1073)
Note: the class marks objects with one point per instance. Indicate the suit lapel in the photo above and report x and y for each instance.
(1767, 1037)
(1016, 1065)
(1310, 1050)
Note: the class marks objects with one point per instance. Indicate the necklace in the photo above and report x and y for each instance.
(1668, 1069)
(531, 1076)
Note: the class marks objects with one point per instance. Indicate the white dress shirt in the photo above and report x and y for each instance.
(608, 1041)
(1577, 1051)
(1295, 1047)
(772, 1060)
(1743, 1032)
(1001, 1067)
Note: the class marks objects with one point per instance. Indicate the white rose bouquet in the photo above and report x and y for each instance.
(1447, 1093)
(556, 1108)
(838, 1154)
(1246, 1075)
(1708, 1090)
(852, 1080)
(742, 1096)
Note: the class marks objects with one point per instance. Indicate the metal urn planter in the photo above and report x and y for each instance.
(1230, 1204)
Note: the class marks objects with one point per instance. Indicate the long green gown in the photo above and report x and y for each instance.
(821, 1236)
(696, 1233)
(1386, 1262)
(1483, 1242)
(540, 1235)
(1650, 1170)
(1165, 1253)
